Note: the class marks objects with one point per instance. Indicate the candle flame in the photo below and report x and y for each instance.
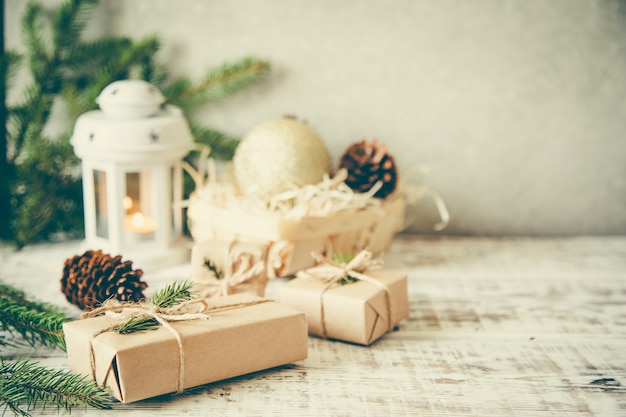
(138, 220)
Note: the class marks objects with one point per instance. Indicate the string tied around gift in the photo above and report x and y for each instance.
(240, 268)
(194, 309)
(331, 273)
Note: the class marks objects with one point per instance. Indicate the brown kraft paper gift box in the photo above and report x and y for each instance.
(232, 342)
(355, 312)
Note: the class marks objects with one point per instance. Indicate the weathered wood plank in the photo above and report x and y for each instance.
(498, 327)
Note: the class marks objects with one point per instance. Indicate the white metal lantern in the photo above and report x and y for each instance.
(131, 152)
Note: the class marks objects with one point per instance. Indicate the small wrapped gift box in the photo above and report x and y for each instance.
(352, 302)
(244, 334)
(220, 268)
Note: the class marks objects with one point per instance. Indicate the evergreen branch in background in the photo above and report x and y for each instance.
(117, 68)
(70, 20)
(222, 146)
(86, 58)
(9, 65)
(32, 32)
(25, 385)
(218, 83)
(37, 322)
(40, 215)
(19, 297)
(173, 294)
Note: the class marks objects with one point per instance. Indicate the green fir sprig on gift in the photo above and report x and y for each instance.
(39, 187)
(25, 385)
(37, 322)
(344, 259)
(210, 265)
(170, 296)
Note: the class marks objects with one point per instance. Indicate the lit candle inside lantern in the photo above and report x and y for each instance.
(140, 227)
(138, 223)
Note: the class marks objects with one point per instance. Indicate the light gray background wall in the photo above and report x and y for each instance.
(518, 108)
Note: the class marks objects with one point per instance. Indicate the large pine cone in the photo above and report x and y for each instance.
(367, 163)
(94, 277)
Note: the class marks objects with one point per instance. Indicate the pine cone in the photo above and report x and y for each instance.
(367, 163)
(90, 279)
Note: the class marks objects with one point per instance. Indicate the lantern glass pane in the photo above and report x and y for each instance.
(140, 216)
(100, 194)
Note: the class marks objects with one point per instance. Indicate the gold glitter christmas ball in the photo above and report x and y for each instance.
(277, 154)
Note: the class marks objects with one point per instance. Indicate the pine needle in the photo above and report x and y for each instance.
(173, 294)
(222, 146)
(343, 259)
(25, 385)
(38, 323)
(213, 268)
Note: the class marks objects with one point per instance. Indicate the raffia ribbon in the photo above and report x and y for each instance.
(332, 272)
(195, 309)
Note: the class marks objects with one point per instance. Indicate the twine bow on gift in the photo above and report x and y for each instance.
(124, 311)
(332, 273)
(240, 268)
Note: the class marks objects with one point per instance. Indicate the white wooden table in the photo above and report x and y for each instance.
(498, 327)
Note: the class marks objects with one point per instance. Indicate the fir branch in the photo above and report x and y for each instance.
(9, 65)
(154, 72)
(37, 216)
(173, 294)
(25, 385)
(86, 58)
(18, 296)
(70, 20)
(219, 83)
(213, 268)
(343, 259)
(32, 31)
(36, 322)
(222, 146)
(119, 66)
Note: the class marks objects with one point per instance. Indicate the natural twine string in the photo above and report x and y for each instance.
(332, 272)
(240, 268)
(195, 309)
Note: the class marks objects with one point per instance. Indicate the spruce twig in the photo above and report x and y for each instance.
(222, 146)
(25, 385)
(173, 294)
(213, 268)
(37, 322)
(343, 259)
(218, 83)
